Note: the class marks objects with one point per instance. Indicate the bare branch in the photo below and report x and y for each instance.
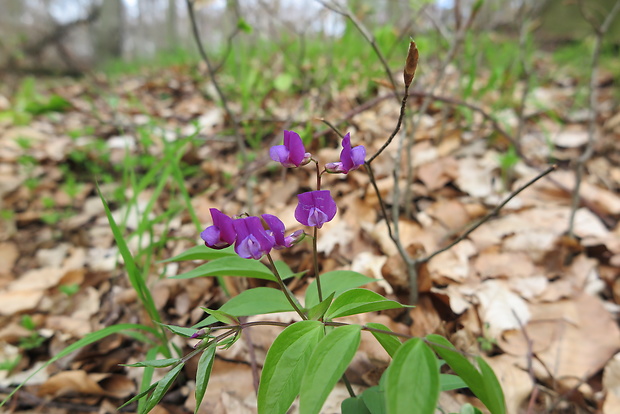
(486, 218)
(600, 32)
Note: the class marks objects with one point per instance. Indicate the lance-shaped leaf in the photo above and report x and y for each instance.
(355, 301)
(155, 363)
(201, 252)
(317, 312)
(483, 383)
(328, 362)
(389, 342)
(412, 380)
(285, 364)
(230, 266)
(335, 281)
(256, 301)
(162, 387)
(203, 372)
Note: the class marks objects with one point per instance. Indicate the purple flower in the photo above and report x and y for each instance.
(276, 229)
(252, 239)
(292, 153)
(221, 234)
(315, 208)
(350, 158)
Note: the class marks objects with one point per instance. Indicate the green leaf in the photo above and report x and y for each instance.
(230, 266)
(495, 396)
(244, 26)
(162, 386)
(86, 340)
(203, 372)
(449, 382)
(327, 364)
(374, 399)
(156, 363)
(283, 82)
(140, 395)
(412, 380)
(201, 252)
(285, 271)
(180, 330)
(335, 281)
(135, 277)
(354, 405)
(319, 310)
(221, 316)
(469, 409)
(479, 385)
(255, 301)
(389, 342)
(284, 366)
(355, 301)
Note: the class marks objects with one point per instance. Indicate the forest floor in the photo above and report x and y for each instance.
(538, 303)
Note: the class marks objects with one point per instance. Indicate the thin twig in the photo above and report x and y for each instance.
(253, 365)
(367, 35)
(238, 137)
(486, 218)
(593, 110)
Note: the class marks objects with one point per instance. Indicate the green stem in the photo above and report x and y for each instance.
(286, 292)
(348, 385)
(315, 259)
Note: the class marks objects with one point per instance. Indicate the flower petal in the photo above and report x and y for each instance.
(293, 142)
(315, 208)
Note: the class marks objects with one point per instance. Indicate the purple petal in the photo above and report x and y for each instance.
(358, 154)
(315, 208)
(345, 154)
(225, 225)
(252, 239)
(316, 218)
(277, 228)
(211, 236)
(279, 153)
(293, 142)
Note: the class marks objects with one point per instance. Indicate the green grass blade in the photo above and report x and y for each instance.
(87, 340)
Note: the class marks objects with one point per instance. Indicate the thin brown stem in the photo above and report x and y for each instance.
(224, 101)
(366, 34)
(486, 218)
(600, 32)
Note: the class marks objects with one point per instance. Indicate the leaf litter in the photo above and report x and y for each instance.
(546, 306)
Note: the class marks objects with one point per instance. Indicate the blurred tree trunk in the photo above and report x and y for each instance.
(172, 37)
(108, 31)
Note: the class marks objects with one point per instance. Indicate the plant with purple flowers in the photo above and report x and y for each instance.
(312, 353)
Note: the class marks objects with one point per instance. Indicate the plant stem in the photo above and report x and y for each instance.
(286, 292)
(315, 259)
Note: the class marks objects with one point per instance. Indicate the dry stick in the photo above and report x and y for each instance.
(589, 150)
(253, 365)
(530, 358)
(224, 101)
(454, 48)
(367, 35)
(486, 218)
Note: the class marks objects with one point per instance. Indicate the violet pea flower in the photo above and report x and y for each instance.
(276, 228)
(252, 240)
(292, 153)
(221, 234)
(350, 158)
(315, 208)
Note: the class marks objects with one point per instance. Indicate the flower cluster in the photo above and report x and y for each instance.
(254, 237)
(251, 239)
